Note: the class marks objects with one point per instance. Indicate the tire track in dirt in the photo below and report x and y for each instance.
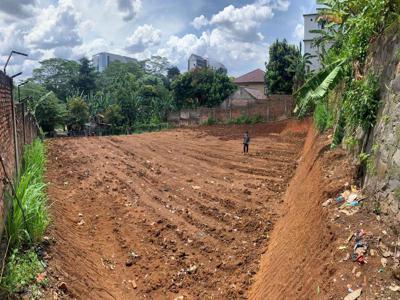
(177, 212)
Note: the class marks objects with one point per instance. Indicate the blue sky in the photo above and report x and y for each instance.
(236, 33)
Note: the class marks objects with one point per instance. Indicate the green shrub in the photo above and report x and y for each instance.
(351, 143)
(21, 271)
(231, 121)
(339, 131)
(361, 102)
(243, 119)
(367, 160)
(256, 119)
(323, 118)
(397, 193)
(210, 121)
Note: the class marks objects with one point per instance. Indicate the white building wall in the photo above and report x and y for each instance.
(102, 60)
(310, 23)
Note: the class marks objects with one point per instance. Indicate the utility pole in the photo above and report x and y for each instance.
(23, 108)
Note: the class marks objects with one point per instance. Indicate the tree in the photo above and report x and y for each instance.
(86, 80)
(78, 114)
(156, 65)
(172, 74)
(202, 87)
(278, 77)
(117, 69)
(300, 68)
(50, 112)
(57, 75)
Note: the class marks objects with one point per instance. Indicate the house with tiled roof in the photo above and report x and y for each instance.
(254, 80)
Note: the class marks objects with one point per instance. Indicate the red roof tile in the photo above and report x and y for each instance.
(254, 76)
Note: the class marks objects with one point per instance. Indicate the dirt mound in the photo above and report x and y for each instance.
(168, 214)
(297, 264)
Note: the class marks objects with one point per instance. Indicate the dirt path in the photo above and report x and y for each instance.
(163, 215)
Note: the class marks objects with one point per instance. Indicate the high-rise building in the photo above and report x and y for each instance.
(103, 59)
(311, 23)
(196, 62)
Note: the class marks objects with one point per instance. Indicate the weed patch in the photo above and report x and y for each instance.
(22, 270)
(26, 223)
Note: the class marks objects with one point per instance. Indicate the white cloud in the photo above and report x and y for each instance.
(199, 22)
(282, 5)
(216, 45)
(144, 37)
(299, 31)
(90, 48)
(17, 8)
(242, 23)
(56, 26)
(130, 8)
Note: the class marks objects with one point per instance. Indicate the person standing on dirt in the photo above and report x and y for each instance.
(246, 142)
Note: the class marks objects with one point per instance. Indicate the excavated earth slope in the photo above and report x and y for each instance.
(177, 214)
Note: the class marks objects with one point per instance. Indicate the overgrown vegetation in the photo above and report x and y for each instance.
(26, 222)
(350, 26)
(122, 98)
(22, 269)
(246, 119)
(323, 118)
(210, 121)
(361, 102)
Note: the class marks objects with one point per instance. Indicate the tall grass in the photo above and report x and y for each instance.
(28, 218)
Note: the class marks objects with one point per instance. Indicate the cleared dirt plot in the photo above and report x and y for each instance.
(167, 214)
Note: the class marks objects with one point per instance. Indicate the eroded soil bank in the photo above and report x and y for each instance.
(298, 263)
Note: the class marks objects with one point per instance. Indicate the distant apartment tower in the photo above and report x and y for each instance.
(198, 62)
(311, 23)
(103, 59)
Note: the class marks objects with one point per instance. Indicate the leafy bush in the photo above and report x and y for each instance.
(322, 117)
(256, 119)
(230, 121)
(339, 131)
(361, 102)
(210, 121)
(243, 119)
(78, 113)
(50, 112)
(397, 193)
(113, 115)
(22, 270)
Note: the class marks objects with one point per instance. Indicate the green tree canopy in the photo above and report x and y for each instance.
(278, 76)
(50, 112)
(85, 82)
(57, 75)
(202, 87)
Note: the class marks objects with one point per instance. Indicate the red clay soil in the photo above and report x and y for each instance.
(299, 262)
(183, 214)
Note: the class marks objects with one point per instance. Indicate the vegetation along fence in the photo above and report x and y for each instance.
(17, 128)
(273, 108)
